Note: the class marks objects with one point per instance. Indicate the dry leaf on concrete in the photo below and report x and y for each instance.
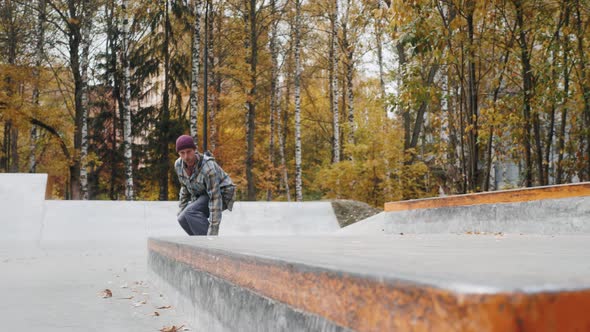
(140, 303)
(156, 313)
(172, 328)
(106, 293)
(165, 307)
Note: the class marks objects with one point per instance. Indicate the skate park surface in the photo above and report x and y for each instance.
(57, 257)
(289, 266)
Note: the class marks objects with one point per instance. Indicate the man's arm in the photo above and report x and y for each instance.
(215, 200)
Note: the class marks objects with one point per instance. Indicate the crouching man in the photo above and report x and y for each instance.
(205, 189)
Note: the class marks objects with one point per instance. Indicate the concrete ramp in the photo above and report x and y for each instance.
(551, 210)
(279, 218)
(21, 209)
(96, 224)
(88, 224)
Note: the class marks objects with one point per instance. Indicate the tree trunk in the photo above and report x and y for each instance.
(39, 51)
(273, 93)
(84, 61)
(251, 103)
(127, 137)
(333, 77)
(406, 119)
(282, 118)
(14, 157)
(298, 171)
(196, 55)
(379, 41)
(584, 85)
(11, 157)
(74, 41)
(165, 116)
(527, 91)
(349, 48)
(461, 102)
(551, 128)
(472, 118)
(564, 109)
(212, 94)
(486, 183)
(112, 81)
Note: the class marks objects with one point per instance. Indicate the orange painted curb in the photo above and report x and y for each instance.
(493, 197)
(370, 304)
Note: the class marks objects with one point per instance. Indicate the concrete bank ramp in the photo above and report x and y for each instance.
(279, 218)
(121, 224)
(563, 209)
(22, 199)
(377, 283)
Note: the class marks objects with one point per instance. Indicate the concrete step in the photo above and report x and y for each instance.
(562, 209)
(377, 283)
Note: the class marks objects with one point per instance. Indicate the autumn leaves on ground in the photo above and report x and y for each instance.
(136, 290)
(369, 100)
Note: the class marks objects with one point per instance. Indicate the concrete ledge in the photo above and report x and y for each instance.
(494, 197)
(550, 210)
(216, 304)
(451, 283)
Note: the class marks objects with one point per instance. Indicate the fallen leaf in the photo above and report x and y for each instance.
(172, 328)
(126, 298)
(106, 293)
(156, 313)
(140, 303)
(164, 307)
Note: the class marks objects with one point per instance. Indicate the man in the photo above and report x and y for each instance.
(205, 189)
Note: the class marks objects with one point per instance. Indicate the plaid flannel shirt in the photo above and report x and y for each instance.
(209, 180)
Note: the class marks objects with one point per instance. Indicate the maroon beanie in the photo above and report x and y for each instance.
(185, 142)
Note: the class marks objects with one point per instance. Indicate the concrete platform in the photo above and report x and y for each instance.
(378, 283)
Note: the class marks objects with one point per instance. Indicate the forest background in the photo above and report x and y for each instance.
(371, 100)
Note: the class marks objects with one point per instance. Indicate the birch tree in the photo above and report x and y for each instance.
(333, 77)
(381, 7)
(196, 55)
(127, 139)
(39, 52)
(298, 175)
(86, 22)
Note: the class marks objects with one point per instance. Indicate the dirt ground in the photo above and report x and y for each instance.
(349, 211)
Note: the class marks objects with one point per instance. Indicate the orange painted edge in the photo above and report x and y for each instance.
(365, 304)
(493, 197)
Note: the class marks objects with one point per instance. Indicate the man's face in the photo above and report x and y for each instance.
(189, 155)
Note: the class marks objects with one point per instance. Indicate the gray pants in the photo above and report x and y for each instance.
(194, 219)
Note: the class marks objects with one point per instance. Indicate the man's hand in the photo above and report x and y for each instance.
(213, 230)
